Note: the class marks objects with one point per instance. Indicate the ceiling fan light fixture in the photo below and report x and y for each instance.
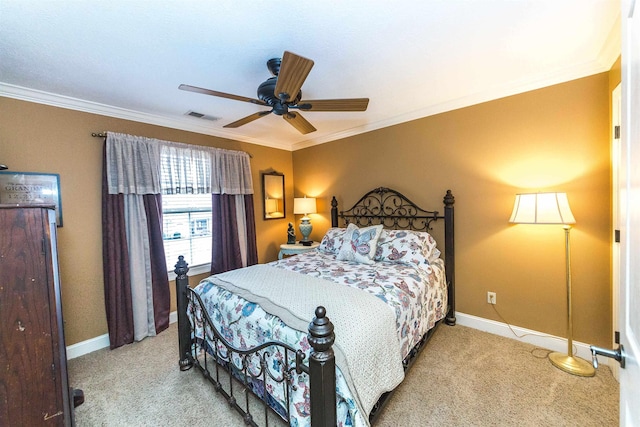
(279, 109)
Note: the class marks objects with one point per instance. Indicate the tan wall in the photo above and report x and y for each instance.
(39, 138)
(552, 139)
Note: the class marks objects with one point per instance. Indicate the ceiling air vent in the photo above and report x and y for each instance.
(201, 116)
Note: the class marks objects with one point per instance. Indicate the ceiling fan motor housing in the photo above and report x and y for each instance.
(266, 94)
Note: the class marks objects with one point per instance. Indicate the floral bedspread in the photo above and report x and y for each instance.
(417, 295)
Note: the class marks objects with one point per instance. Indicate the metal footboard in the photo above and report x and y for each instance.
(225, 365)
(236, 373)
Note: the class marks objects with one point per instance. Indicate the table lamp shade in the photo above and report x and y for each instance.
(542, 208)
(304, 205)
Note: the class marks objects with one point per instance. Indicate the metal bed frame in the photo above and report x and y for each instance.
(228, 368)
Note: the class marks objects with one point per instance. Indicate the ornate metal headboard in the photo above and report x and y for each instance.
(393, 210)
(389, 208)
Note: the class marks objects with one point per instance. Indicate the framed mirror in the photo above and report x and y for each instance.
(273, 195)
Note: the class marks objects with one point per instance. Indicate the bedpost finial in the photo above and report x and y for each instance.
(321, 336)
(334, 212)
(181, 267)
(449, 200)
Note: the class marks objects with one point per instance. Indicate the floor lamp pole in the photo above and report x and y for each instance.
(567, 362)
(567, 263)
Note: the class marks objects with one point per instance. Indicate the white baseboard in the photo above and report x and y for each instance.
(88, 346)
(529, 336)
(97, 343)
(497, 328)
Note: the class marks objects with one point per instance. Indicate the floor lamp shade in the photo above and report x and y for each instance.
(305, 206)
(553, 208)
(542, 208)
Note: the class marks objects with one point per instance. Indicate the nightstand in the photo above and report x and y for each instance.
(295, 249)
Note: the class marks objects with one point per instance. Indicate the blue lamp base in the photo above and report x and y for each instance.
(305, 229)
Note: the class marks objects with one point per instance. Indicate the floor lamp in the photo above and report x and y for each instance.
(553, 208)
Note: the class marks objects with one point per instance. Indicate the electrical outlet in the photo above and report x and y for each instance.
(491, 297)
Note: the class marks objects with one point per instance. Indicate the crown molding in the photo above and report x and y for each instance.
(61, 101)
(612, 47)
(601, 64)
(607, 56)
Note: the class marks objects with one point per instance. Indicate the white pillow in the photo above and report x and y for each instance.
(360, 244)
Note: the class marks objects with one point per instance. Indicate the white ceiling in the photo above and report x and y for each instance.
(126, 58)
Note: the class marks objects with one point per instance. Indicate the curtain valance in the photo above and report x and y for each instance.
(139, 165)
(133, 164)
(185, 170)
(233, 173)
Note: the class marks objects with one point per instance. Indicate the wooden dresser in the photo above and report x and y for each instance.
(34, 386)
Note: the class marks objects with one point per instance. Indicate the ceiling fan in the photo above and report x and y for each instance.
(282, 93)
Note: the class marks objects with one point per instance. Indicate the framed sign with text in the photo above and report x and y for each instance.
(29, 188)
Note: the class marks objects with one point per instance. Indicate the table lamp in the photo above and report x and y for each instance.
(304, 206)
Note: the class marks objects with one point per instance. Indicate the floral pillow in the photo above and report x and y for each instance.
(332, 240)
(360, 244)
(406, 247)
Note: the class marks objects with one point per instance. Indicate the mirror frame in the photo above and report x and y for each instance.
(272, 176)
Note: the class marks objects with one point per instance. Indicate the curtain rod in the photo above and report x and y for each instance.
(104, 135)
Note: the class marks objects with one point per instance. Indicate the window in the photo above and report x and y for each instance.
(187, 228)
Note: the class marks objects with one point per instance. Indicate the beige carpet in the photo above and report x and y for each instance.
(463, 378)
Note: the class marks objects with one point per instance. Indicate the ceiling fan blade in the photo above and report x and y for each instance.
(297, 121)
(220, 94)
(247, 119)
(353, 104)
(294, 70)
